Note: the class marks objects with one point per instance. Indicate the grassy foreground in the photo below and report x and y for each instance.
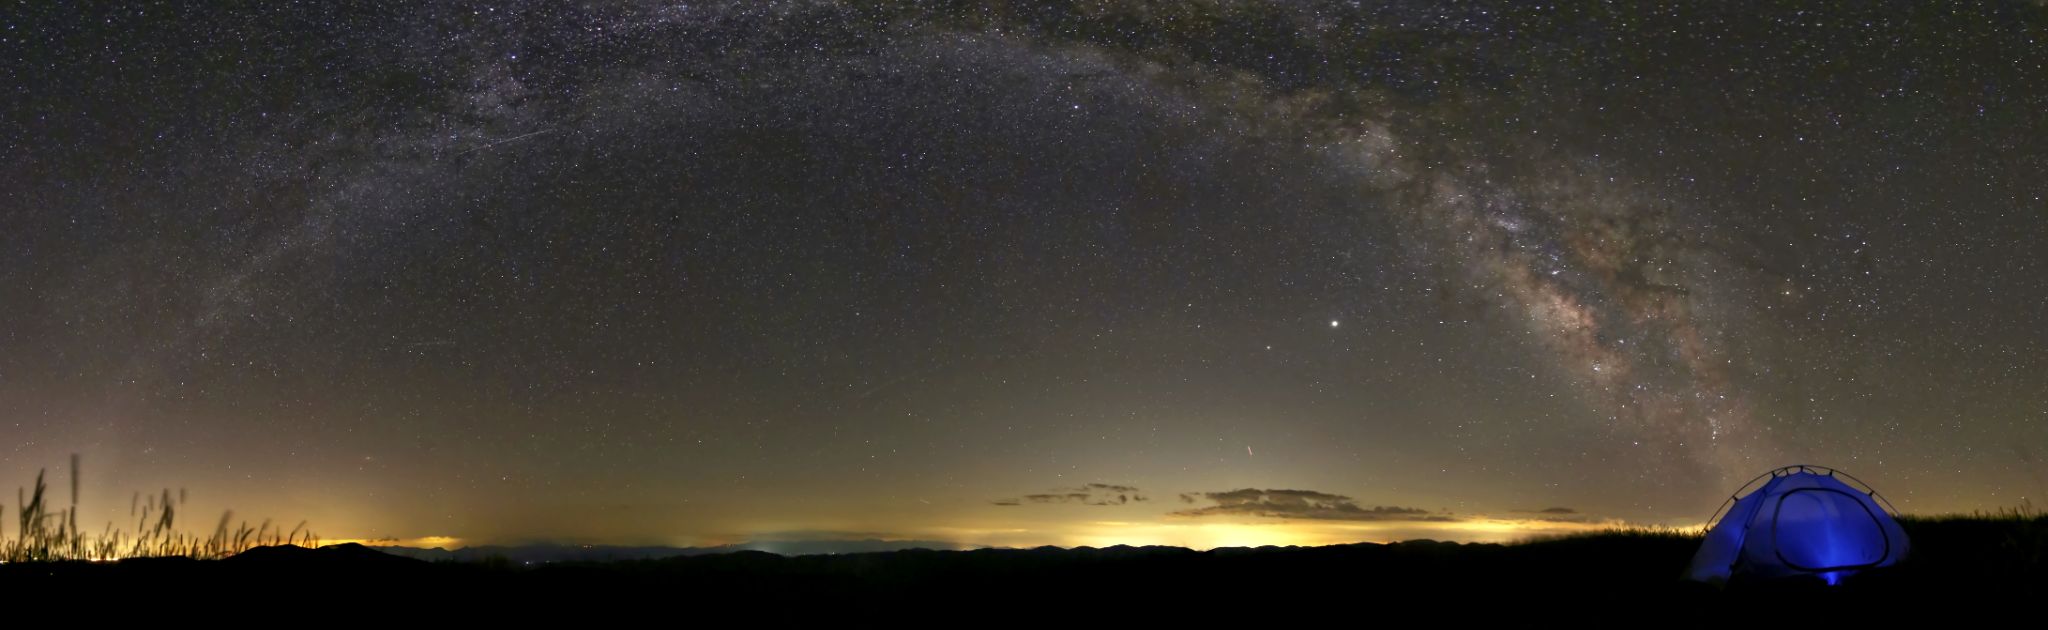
(1962, 569)
(48, 533)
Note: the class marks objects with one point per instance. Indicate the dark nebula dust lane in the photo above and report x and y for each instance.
(700, 272)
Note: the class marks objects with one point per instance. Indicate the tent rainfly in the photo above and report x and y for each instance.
(1803, 521)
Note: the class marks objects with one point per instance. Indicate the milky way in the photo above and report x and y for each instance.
(1590, 265)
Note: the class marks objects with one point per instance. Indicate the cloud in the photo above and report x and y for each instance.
(1098, 494)
(1556, 515)
(1109, 487)
(1300, 504)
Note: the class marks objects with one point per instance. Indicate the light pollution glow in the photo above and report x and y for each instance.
(1196, 535)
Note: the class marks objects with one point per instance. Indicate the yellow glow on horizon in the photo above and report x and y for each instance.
(1209, 535)
(1192, 533)
(1205, 534)
(424, 542)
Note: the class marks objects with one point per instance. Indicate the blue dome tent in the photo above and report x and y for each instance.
(1803, 521)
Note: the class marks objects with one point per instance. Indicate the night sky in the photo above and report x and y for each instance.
(1177, 272)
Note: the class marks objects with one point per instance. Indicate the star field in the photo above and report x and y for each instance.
(697, 272)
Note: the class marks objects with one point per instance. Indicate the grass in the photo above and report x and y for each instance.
(2012, 542)
(2006, 546)
(1627, 532)
(46, 533)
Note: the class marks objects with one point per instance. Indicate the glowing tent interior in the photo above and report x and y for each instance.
(1803, 520)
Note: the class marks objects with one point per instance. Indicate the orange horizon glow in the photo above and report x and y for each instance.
(1175, 532)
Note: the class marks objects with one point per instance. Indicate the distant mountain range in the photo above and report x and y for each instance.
(548, 553)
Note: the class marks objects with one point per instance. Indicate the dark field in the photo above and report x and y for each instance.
(1962, 569)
